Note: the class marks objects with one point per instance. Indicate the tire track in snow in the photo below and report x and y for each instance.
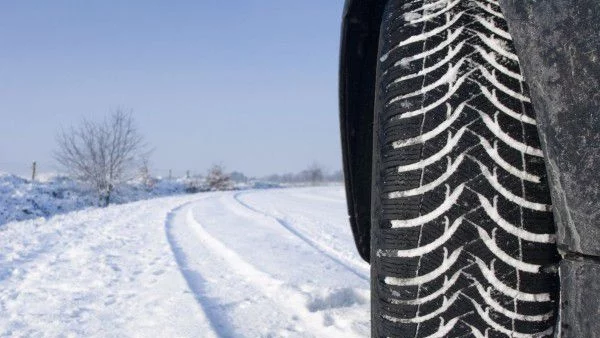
(315, 244)
(196, 283)
(293, 302)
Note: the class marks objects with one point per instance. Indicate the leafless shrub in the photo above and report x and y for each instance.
(144, 174)
(101, 154)
(217, 179)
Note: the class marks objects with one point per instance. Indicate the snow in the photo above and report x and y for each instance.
(410, 16)
(52, 194)
(21, 199)
(256, 263)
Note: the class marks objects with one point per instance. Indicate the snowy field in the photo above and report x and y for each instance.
(257, 263)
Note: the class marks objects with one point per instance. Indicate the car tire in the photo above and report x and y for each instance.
(462, 235)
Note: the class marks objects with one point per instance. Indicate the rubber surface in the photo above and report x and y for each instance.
(463, 238)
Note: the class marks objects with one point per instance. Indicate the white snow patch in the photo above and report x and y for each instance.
(410, 16)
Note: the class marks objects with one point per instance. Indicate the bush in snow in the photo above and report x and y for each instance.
(193, 185)
(217, 179)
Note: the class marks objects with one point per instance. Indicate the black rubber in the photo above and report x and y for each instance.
(462, 238)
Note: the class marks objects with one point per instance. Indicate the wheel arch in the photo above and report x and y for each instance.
(358, 54)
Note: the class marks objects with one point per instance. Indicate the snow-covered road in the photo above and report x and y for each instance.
(264, 263)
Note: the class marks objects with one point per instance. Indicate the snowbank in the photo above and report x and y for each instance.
(21, 199)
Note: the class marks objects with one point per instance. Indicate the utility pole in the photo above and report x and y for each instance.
(33, 167)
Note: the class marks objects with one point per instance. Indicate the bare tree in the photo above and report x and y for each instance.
(101, 153)
(144, 174)
(314, 173)
(217, 179)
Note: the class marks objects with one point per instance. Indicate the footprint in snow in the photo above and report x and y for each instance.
(338, 298)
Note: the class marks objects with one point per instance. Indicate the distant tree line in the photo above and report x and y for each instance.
(314, 174)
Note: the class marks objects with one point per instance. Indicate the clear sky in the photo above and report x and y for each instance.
(251, 84)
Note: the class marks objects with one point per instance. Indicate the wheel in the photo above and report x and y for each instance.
(462, 236)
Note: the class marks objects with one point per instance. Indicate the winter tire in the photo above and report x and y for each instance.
(462, 238)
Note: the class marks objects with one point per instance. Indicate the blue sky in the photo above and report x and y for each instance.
(251, 84)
